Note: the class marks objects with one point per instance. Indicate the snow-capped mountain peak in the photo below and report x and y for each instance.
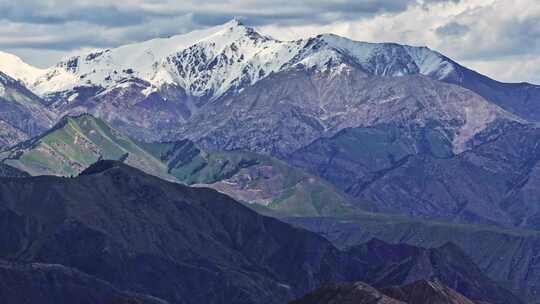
(151, 60)
(211, 62)
(391, 59)
(16, 68)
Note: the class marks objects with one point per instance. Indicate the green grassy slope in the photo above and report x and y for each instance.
(253, 178)
(77, 142)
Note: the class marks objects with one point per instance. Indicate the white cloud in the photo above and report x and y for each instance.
(509, 69)
(499, 38)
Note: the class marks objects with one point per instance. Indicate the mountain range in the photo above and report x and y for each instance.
(350, 140)
(271, 187)
(508, 256)
(133, 233)
(172, 82)
(75, 143)
(404, 128)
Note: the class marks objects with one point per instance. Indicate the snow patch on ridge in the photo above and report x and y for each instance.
(431, 63)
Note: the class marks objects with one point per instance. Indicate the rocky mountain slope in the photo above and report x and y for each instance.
(160, 88)
(401, 264)
(432, 292)
(351, 293)
(506, 256)
(77, 142)
(521, 99)
(419, 292)
(418, 175)
(254, 179)
(288, 111)
(57, 284)
(149, 236)
(8, 171)
(74, 144)
(22, 114)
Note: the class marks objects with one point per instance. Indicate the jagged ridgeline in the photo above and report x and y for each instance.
(77, 142)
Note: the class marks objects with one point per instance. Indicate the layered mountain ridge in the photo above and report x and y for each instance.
(77, 142)
(144, 235)
(231, 88)
(326, 104)
(166, 82)
(508, 256)
(311, 127)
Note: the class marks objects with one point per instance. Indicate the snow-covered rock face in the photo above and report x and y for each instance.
(3, 80)
(16, 68)
(230, 58)
(212, 62)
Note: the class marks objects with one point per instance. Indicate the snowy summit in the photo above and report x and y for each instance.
(212, 61)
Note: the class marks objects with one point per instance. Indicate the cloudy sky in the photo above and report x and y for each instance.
(500, 38)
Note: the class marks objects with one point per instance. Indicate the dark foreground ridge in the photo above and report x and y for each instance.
(419, 292)
(57, 284)
(101, 166)
(144, 235)
(428, 292)
(346, 293)
(9, 171)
